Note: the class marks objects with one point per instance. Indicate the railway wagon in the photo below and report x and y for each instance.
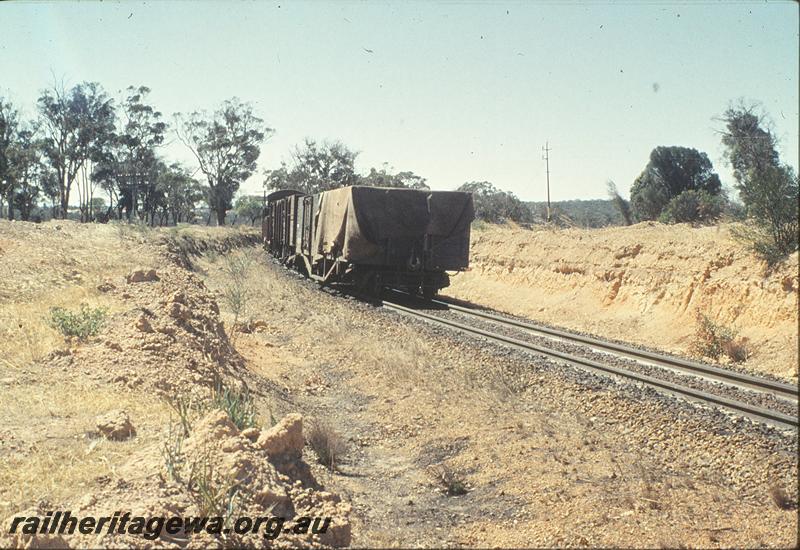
(371, 237)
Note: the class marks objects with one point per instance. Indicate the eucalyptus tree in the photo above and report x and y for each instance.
(128, 163)
(750, 146)
(385, 178)
(249, 207)
(226, 145)
(9, 123)
(767, 187)
(27, 170)
(178, 194)
(494, 205)
(75, 124)
(316, 166)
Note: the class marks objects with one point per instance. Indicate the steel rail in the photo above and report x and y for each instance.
(736, 406)
(780, 389)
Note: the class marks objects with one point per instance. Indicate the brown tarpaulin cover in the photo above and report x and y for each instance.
(354, 222)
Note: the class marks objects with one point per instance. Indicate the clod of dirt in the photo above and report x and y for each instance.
(251, 434)
(252, 326)
(143, 324)
(284, 441)
(110, 344)
(179, 311)
(226, 456)
(141, 275)
(106, 286)
(59, 358)
(116, 425)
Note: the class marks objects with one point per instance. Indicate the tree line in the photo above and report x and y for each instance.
(315, 167)
(82, 141)
(678, 185)
(108, 152)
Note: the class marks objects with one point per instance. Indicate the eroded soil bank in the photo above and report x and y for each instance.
(644, 284)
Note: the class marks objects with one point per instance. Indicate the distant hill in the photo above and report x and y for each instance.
(579, 213)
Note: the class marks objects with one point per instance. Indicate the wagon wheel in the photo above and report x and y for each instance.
(300, 266)
(376, 287)
(369, 284)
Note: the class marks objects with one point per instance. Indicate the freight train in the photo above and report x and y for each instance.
(371, 238)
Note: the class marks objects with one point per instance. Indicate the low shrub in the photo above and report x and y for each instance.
(81, 324)
(327, 444)
(479, 224)
(452, 482)
(172, 451)
(236, 292)
(692, 206)
(736, 350)
(188, 410)
(714, 341)
(214, 495)
(781, 498)
(762, 243)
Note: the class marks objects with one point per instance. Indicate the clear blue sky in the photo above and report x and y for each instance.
(454, 91)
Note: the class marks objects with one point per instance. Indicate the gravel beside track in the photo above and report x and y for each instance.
(756, 398)
(732, 367)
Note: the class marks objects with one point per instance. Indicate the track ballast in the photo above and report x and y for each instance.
(758, 398)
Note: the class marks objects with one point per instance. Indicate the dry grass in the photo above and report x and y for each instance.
(736, 350)
(267, 296)
(399, 368)
(50, 450)
(326, 442)
(452, 481)
(246, 289)
(781, 498)
(43, 268)
(26, 324)
(715, 341)
(55, 453)
(405, 365)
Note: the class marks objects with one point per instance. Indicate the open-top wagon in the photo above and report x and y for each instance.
(371, 237)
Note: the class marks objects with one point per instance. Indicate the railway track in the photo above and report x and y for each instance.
(786, 393)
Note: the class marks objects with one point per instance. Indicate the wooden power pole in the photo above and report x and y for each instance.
(546, 157)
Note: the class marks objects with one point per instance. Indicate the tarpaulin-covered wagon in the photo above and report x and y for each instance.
(372, 237)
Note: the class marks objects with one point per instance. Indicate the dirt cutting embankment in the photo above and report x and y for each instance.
(644, 284)
(150, 413)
